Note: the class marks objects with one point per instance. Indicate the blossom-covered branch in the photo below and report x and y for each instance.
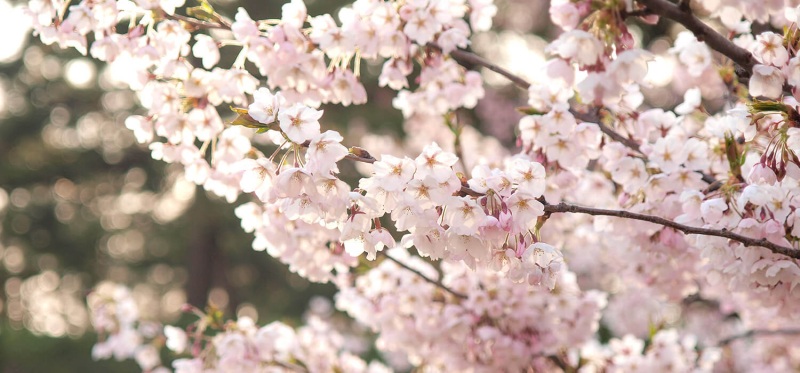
(703, 32)
(724, 233)
(516, 299)
(469, 59)
(437, 283)
(758, 332)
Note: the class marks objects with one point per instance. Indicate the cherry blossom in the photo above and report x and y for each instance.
(299, 122)
(767, 81)
(609, 201)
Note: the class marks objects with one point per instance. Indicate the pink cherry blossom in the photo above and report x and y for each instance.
(766, 81)
(299, 122)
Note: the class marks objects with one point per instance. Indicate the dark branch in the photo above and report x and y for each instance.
(437, 283)
(747, 241)
(684, 6)
(471, 59)
(757, 332)
(614, 135)
(703, 32)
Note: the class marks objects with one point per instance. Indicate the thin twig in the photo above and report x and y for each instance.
(464, 57)
(437, 283)
(457, 128)
(558, 362)
(469, 60)
(569, 208)
(614, 135)
(757, 332)
(472, 59)
(638, 13)
(724, 233)
(703, 32)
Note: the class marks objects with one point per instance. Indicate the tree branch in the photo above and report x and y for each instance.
(471, 59)
(724, 233)
(437, 283)
(594, 117)
(703, 32)
(568, 208)
(614, 135)
(757, 332)
(468, 60)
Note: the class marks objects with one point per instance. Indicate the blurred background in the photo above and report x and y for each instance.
(81, 202)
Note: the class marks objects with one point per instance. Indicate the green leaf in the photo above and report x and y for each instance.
(768, 107)
(205, 5)
(527, 110)
(735, 160)
(246, 121)
(239, 110)
(201, 13)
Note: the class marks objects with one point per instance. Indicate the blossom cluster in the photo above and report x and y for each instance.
(115, 317)
(215, 345)
(500, 326)
(243, 346)
(668, 351)
(491, 225)
(727, 169)
(303, 199)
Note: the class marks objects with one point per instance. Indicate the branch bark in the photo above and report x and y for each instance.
(703, 32)
(719, 43)
(757, 332)
(724, 233)
(437, 283)
(575, 209)
(471, 59)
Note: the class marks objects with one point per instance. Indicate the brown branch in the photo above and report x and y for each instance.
(471, 59)
(594, 117)
(637, 13)
(724, 233)
(437, 283)
(467, 57)
(703, 32)
(568, 208)
(614, 135)
(757, 332)
(684, 6)
(559, 362)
